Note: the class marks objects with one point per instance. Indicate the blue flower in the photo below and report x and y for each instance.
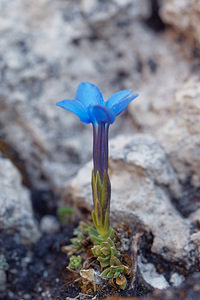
(90, 107)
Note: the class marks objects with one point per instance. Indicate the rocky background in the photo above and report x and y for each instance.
(152, 46)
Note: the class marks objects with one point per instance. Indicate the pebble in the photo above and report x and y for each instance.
(49, 224)
(150, 275)
(27, 297)
(176, 279)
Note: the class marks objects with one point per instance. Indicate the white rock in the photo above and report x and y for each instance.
(176, 279)
(16, 212)
(152, 277)
(142, 180)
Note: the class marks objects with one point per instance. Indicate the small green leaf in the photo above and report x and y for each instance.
(63, 212)
(75, 262)
(94, 218)
(114, 261)
(105, 251)
(122, 287)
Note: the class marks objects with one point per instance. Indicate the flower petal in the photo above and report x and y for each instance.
(121, 106)
(117, 97)
(77, 108)
(88, 94)
(101, 114)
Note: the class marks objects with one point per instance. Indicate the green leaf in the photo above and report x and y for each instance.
(94, 218)
(107, 274)
(75, 262)
(114, 261)
(63, 212)
(105, 251)
(122, 287)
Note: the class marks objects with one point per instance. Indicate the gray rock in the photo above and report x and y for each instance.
(16, 212)
(91, 35)
(49, 224)
(195, 217)
(142, 185)
(39, 132)
(195, 239)
(180, 136)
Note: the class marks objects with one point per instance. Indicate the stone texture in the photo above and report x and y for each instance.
(50, 142)
(16, 212)
(30, 121)
(44, 56)
(159, 82)
(180, 137)
(143, 183)
(184, 15)
(101, 11)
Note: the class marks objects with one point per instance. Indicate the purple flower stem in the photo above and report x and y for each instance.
(100, 148)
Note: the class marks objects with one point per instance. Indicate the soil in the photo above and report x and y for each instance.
(39, 271)
(35, 272)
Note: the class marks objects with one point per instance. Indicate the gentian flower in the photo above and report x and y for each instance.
(90, 107)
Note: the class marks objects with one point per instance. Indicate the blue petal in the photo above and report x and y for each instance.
(121, 106)
(117, 97)
(77, 108)
(101, 114)
(88, 94)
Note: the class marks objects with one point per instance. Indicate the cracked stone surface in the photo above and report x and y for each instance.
(143, 183)
(16, 215)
